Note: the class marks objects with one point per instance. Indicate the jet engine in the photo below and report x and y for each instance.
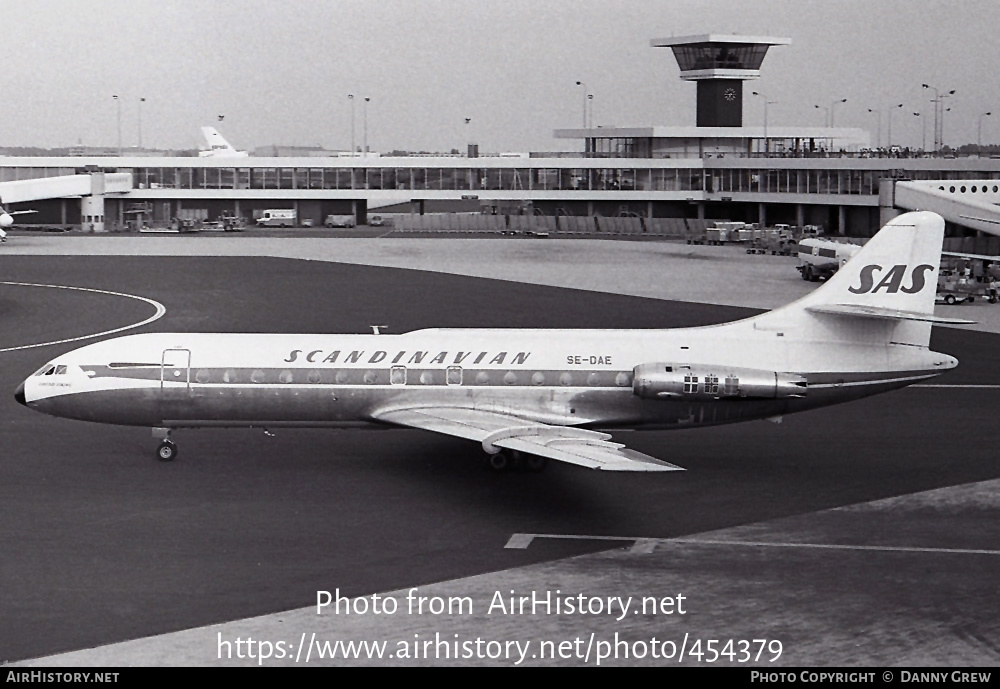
(706, 381)
(6, 220)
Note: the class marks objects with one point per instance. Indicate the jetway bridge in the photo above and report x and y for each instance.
(972, 203)
(90, 188)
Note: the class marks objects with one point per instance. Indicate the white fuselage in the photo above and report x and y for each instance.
(560, 377)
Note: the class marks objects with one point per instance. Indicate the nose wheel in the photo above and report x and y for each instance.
(167, 451)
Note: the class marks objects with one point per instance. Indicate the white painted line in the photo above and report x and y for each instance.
(836, 546)
(645, 545)
(160, 310)
(959, 387)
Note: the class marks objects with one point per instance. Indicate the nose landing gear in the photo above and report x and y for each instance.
(166, 451)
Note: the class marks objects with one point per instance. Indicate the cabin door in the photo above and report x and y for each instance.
(175, 381)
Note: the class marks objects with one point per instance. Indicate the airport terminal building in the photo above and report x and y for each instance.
(717, 169)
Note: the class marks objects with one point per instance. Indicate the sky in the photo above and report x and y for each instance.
(280, 71)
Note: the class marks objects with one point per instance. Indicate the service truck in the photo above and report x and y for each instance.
(821, 258)
(345, 220)
(277, 217)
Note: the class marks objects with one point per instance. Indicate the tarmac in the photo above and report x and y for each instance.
(660, 270)
(870, 543)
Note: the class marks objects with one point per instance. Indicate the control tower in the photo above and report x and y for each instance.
(720, 63)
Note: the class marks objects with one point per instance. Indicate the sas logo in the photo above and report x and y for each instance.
(893, 280)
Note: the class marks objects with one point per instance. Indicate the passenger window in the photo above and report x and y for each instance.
(565, 378)
(732, 386)
(426, 378)
(510, 378)
(690, 383)
(315, 377)
(202, 376)
(229, 376)
(712, 384)
(538, 378)
(454, 375)
(482, 378)
(257, 376)
(397, 375)
(370, 378)
(285, 377)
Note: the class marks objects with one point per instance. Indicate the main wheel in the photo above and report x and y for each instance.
(167, 451)
(499, 462)
(949, 299)
(535, 464)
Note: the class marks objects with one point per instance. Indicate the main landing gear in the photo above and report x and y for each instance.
(166, 451)
(512, 460)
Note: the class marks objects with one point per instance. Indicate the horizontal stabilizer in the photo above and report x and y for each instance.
(862, 311)
(494, 430)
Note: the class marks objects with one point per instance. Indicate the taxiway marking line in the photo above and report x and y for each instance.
(644, 544)
(160, 310)
(983, 386)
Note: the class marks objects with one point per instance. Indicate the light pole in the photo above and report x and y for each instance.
(826, 114)
(888, 113)
(878, 117)
(943, 111)
(468, 140)
(365, 151)
(767, 148)
(979, 134)
(832, 112)
(938, 114)
(141, 101)
(118, 105)
(584, 85)
(590, 100)
(923, 133)
(350, 97)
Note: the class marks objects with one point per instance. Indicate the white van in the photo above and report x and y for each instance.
(277, 217)
(347, 220)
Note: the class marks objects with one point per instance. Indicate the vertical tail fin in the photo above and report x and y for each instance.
(884, 293)
(218, 146)
(896, 270)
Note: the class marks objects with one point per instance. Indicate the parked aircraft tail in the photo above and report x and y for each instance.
(218, 146)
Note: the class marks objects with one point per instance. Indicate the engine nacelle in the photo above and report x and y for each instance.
(6, 220)
(709, 382)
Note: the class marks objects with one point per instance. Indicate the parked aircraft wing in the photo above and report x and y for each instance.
(494, 430)
(878, 312)
(978, 257)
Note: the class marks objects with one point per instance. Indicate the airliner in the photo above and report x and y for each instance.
(7, 220)
(218, 147)
(529, 396)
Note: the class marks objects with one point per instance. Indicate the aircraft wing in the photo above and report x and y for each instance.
(980, 257)
(578, 446)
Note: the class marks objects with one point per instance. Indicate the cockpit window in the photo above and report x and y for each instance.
(61, 369)
(46, 370)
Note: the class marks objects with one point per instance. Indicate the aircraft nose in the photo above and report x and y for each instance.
(19, 394)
